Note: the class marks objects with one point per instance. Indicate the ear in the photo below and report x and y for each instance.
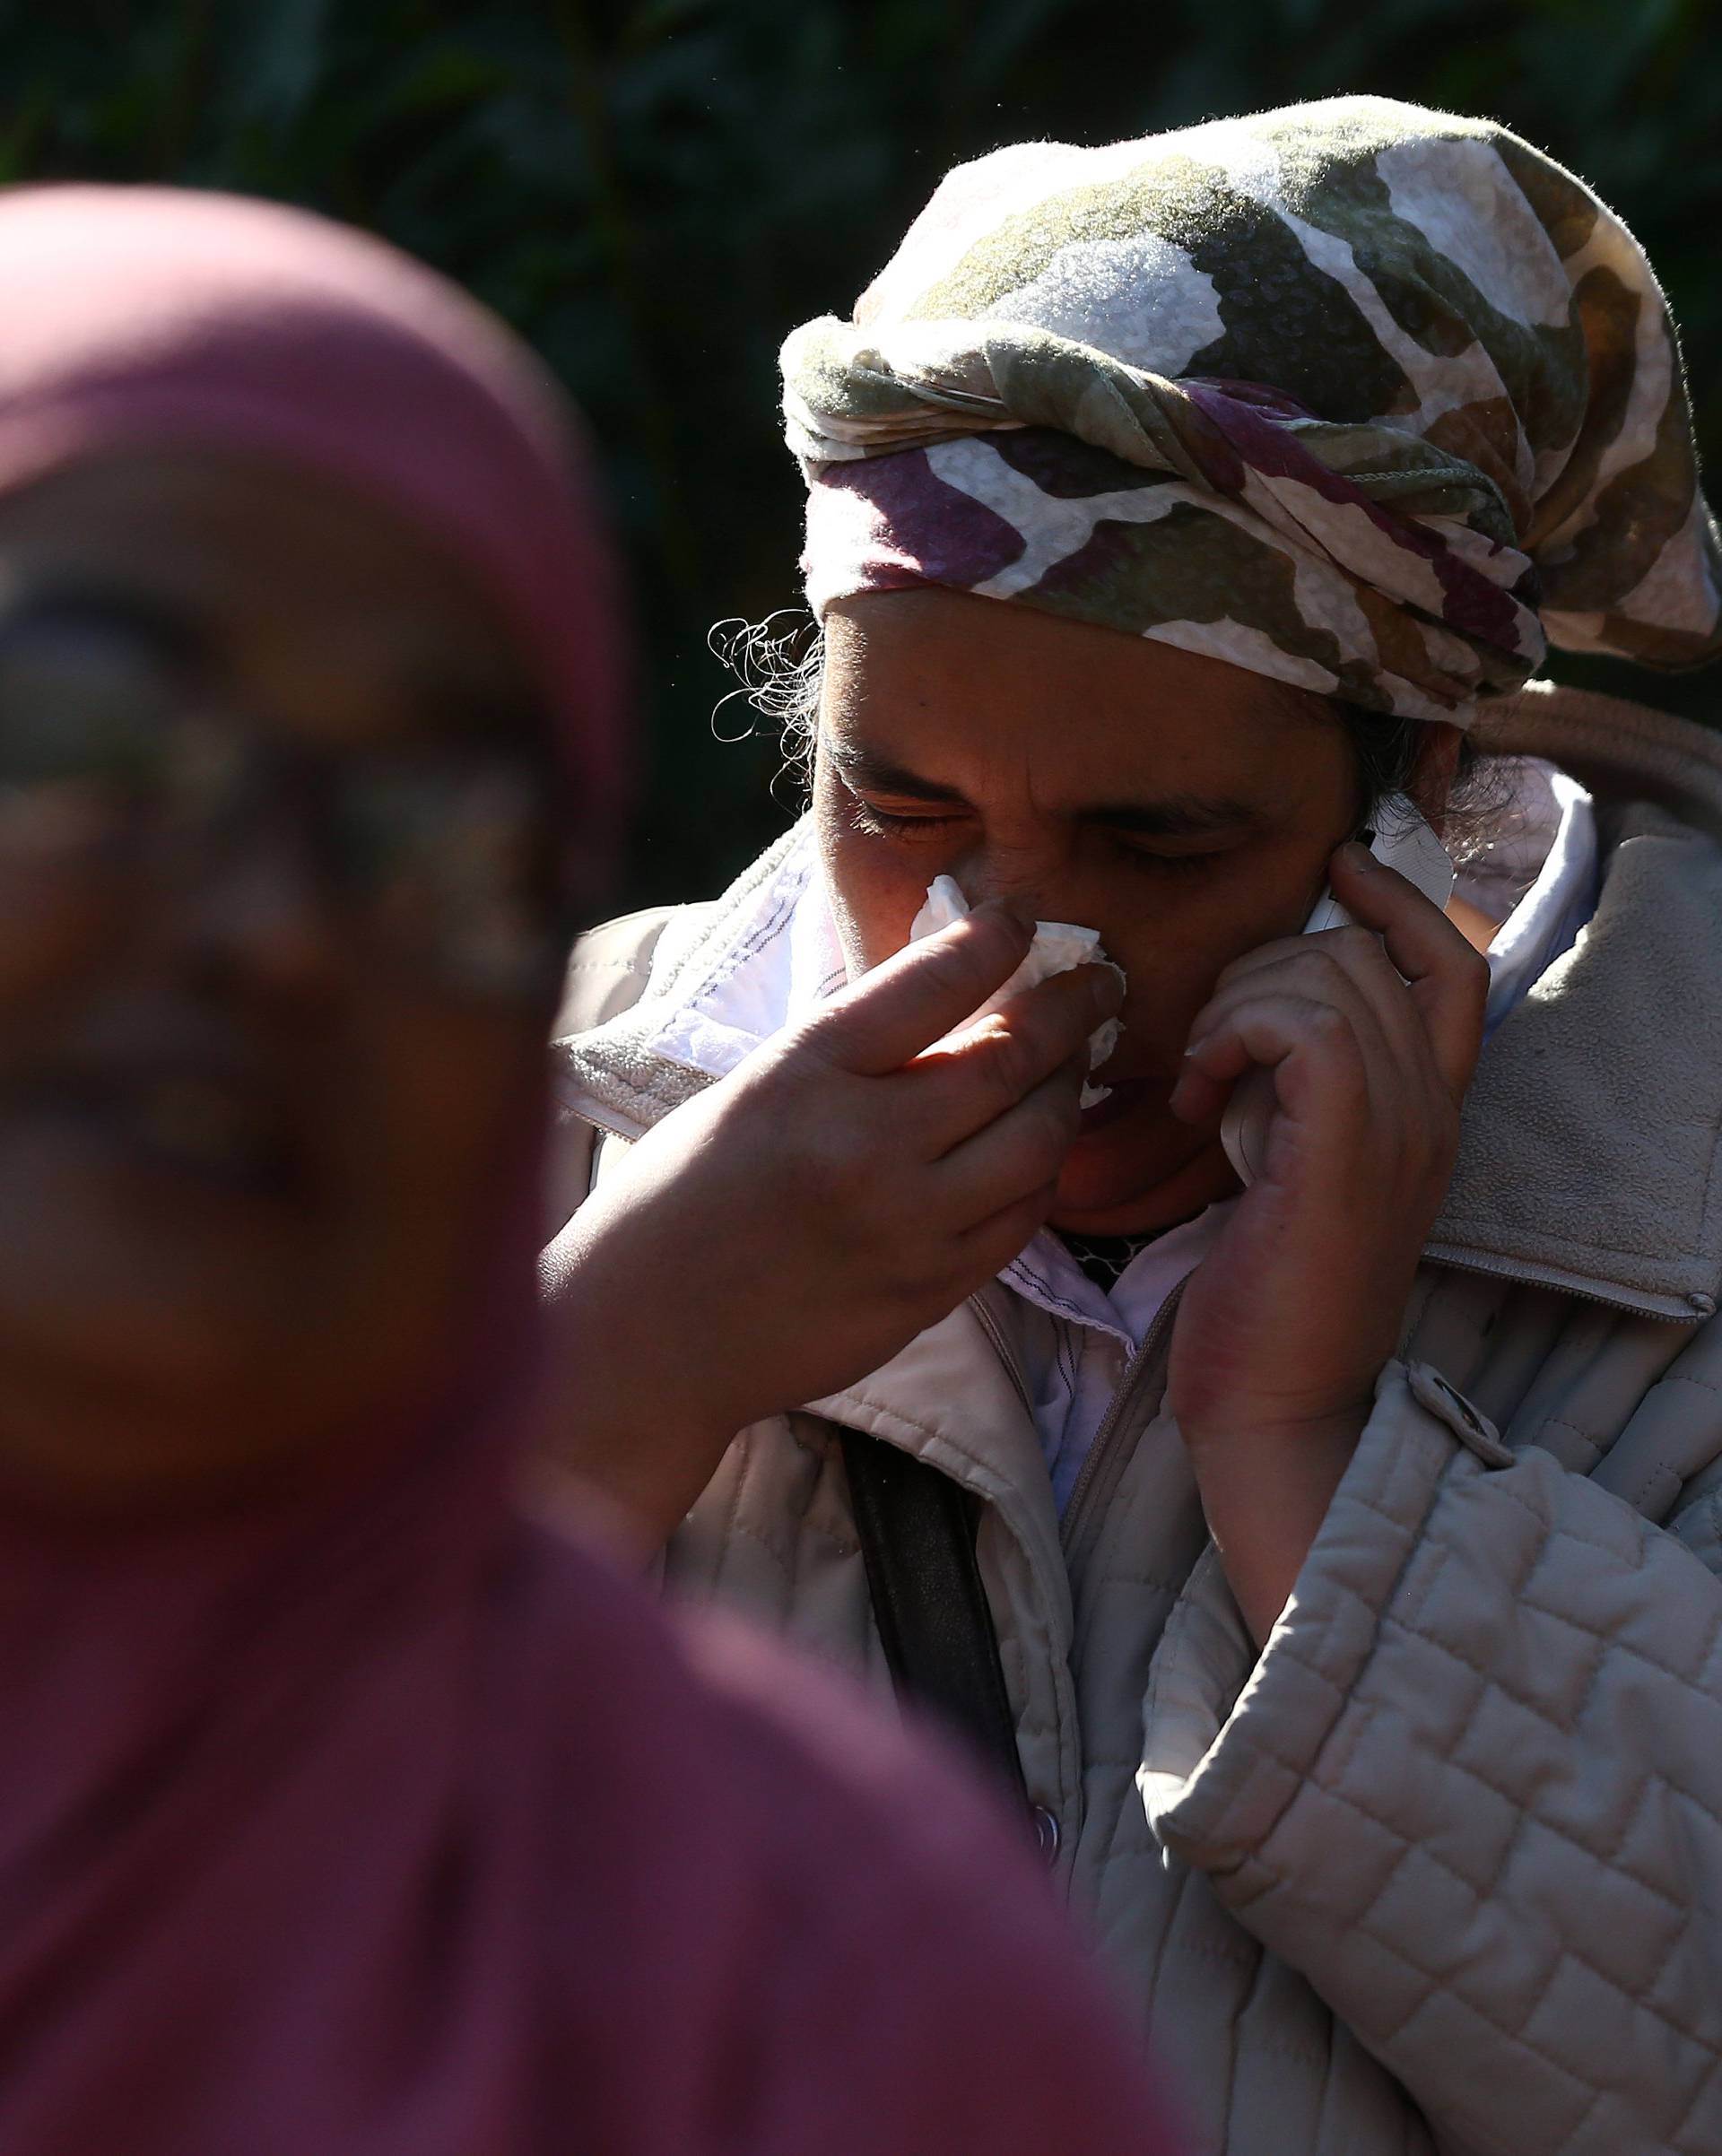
(1432, 775)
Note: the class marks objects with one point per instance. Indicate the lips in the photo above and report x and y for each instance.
(191, 1118)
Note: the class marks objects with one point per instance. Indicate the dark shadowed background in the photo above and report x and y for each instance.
(655, 192)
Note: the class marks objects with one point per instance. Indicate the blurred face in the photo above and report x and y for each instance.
(1183, 807)
(277, 948)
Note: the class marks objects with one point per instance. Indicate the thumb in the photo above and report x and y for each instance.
(886, 1018)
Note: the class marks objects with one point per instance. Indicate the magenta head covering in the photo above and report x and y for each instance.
(150, 316)
(364, 1818)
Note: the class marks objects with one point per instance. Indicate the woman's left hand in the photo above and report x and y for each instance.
(1372, 1033)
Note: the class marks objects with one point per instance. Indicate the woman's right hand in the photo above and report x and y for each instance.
(801, 1221)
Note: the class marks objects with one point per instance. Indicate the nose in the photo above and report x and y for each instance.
(1031, 872)
(250, 905)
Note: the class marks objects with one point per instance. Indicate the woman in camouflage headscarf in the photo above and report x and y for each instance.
(1368, 1740)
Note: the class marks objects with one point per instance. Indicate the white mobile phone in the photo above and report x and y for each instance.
(1409, 844)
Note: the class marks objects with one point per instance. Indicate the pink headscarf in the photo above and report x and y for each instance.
(150, 316)
(363, 1818)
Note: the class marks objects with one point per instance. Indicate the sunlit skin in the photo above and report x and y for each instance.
(1185, 808)
(168, 1320)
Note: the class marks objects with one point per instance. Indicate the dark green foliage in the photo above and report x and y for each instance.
(656, 191)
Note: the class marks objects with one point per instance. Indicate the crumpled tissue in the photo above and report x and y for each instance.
(1057, 947)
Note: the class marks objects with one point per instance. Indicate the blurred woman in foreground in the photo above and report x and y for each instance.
(343, 1810)
(1349, 1546)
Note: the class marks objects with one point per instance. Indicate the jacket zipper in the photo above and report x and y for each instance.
(1112, 1430)
(1096, 1473)
(1106, 1438)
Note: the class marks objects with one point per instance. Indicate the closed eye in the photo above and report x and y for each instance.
(876, 823)
(1146, 860)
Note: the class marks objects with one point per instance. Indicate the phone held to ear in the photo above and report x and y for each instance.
(1408, 844)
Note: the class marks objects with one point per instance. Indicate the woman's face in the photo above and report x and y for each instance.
(1183, 807)
(270, 1022)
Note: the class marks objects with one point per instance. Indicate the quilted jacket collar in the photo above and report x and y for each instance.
(1589, 1149)
(1591, 1135)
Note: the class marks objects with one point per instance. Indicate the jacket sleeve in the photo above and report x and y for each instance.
(1472, 1788)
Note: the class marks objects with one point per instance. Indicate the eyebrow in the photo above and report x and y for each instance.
(454, 703)
(1178, 816)
(1175, 816)
(863, 768)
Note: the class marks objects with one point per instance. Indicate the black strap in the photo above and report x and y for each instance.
(917, 1538)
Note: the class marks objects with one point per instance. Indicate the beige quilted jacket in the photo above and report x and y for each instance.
(1441, 1868)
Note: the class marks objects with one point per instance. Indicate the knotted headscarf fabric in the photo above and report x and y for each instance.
(1364, 397)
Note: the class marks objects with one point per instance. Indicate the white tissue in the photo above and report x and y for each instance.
(1057, 947)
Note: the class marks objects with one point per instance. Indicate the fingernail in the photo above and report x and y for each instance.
(1356, 857)
(1106, 988)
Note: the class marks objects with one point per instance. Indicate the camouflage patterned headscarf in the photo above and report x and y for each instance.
(1353, 395)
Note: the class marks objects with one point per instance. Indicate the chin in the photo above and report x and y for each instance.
(190, 1311)
(1135, 1173)
(161, 1330)
(174, 1373)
